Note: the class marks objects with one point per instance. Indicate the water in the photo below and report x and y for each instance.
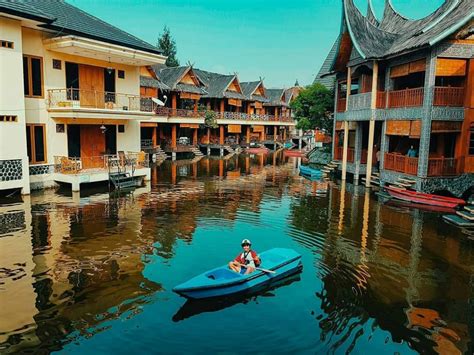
(94, 274)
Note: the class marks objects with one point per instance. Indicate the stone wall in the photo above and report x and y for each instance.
(456, 185)
(320, 156)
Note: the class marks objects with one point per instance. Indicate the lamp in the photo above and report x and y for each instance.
(109, 68)
(103, 128)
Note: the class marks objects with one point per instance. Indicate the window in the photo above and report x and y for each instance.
(36, 143)
(471, 141)
(121, 128)
(121, 74)
(33, 76)
(6, 44)
(56, 64)
(8, 118)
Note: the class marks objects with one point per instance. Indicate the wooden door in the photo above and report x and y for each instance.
(92, 146)
(91, 85)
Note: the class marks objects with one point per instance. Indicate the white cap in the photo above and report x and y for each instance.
(246, 241)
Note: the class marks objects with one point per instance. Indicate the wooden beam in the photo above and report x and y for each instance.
(195, 136)
(173, 136)
(221, 135)
(373, 106)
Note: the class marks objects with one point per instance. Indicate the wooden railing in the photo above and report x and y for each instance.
(381, 101)
(341, 105)
(401, 163)
(448, 96)
(76, 165)
(363, 157)
(78, 98)
(444, 166)
(339, 151)
(406, 98)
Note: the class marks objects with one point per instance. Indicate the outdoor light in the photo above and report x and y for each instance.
(103, 128)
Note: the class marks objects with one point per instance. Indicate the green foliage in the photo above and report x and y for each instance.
(210, 120)
(167, 44)
(313, 107)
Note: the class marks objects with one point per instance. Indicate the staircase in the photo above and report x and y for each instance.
(404, 183)
(159, 153)
(329, 168)
(374, 180)
(229, 149)
(196, 151)
(122, 180)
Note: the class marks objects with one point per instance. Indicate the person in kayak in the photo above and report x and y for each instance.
(248, 257)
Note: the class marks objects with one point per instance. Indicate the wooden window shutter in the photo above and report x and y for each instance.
(450, 67)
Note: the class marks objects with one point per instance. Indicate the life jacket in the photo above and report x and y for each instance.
(248, 258)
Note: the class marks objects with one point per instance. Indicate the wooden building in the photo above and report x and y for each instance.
(405, 96)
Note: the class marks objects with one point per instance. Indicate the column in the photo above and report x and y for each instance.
(208, 135)
(154, 137)
(195, 136)
(425, 135)
(174, 103)
(276, 112)
(284, 134)
(346, 127)
(173, 136)
(195, 106)
(248, 135)
(221, 134)
(373, 106)
(221, 107)
(275, 133)
(358, 152)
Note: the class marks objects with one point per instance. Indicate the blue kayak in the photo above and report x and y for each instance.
(222, 281)
(306, 170)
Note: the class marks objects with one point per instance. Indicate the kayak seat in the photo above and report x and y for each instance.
(222, 274)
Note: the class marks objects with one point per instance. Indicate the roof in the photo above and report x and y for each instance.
(150, 82)
(276, 97)
(324, 76)
(57, 15)
(171, 76)
(217, 84)
(249, 88)
(396, 34)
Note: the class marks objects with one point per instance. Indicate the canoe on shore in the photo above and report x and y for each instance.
(308, 171)
(222, 281)
(422, 198)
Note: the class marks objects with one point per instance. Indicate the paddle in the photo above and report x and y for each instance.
(260, 269)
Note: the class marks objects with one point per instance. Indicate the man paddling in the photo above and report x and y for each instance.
(247, 261)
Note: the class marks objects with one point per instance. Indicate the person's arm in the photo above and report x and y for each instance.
(255, 258)
(238, 259)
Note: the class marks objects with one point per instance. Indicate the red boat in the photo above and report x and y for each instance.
(293, 153)
(256, 150)
(425, 199)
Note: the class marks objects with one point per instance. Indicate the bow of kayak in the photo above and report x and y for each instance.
(222, 281)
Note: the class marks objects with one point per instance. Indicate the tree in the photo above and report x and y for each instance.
(313, 107)
(167, 44)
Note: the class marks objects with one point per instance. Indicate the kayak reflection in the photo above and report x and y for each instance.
(194, 307)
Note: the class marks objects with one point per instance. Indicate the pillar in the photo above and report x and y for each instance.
(358, 152)
(221, 107)
(174, 102)
(275, 133)
(208, 150)
(425, 134)
(263, 134)
(284, 134)
(248, 135)
(276, 112)
(75, 186)
(221, 134)
(221, 168)
(173, 136)
(346, 127)
(174, 170)
(195, 136)
(154, 137)
(195, 106)
(373, 107)
(208, 136)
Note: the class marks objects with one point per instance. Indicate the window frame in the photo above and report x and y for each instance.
(33, 144)
(30, 76)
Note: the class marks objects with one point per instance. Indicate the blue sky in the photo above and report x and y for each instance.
(278, 40)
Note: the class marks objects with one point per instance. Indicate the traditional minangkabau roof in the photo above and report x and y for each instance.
(217, 85)
(149, 82)
(394, 34)
(249, 88)
(276, 97)
(322, 77)
(172, 76)
(57, 15)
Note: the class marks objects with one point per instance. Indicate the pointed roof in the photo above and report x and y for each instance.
(217, 85)
(172, 76)
(276, 97)
(396, 34)
(149, 82)
(249, 88)
(325, 75)
(65, 18)
(371, 14)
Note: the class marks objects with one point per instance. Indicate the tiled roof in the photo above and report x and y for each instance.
(275, 97)
(248, 89)
(171, 77)
(70, 20)
(216, 85)
(149, 82)
(396, 34)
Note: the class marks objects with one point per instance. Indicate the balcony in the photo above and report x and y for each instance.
(101, 100)
(101, 163)
(338, 152)
(341, 105)
(448, 96)
(360, 101)
(405, 98)
(436, 166)
(363, 157)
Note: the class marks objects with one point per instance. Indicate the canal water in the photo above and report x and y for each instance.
(94, 273)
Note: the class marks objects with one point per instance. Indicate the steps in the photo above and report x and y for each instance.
(122, 180)
(328, 168)
(159, 154)
(403, 183)
(466, 215)
(197, 152)
(229, 149)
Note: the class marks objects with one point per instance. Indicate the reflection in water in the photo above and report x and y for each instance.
(95, 272)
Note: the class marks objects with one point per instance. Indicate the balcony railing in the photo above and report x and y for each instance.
(363, 157)
(76, 165)
(338, 152)
(448, 96)
(166, 111)
(341, 105)
(401, 163)
(360, 101)
(444, 166)
(381, 99)
(406, 98)
(78, 98)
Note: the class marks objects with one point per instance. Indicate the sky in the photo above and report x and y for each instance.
(280, 41)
